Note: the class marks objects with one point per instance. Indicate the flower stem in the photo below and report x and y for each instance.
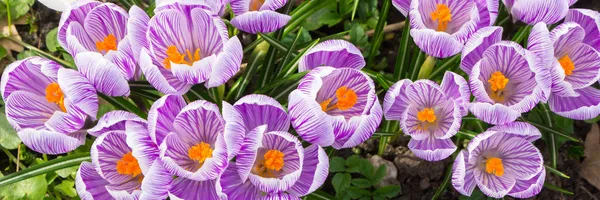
(42, 53)
(427, 67)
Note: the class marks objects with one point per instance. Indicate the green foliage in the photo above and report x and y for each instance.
(52, 40)
(8, 135)
(25, 54)
(3, 52)
(356, 178)
(66, 188)
(31, 188)
(16, 8)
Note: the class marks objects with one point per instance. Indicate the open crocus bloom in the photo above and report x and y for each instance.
(274, 164)
(505, 79)
(248, 113)
(535, 11)
(125, 162)
(589, 20)
(441, 27)
(332, 53)
(335, 107)
(430, 114)
(184, 44)
(501, 161)
(47, 105)
(95, 34)
(216, 6)
(258, 16)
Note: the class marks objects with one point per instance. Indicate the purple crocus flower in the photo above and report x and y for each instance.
(589, 20)
(258, 16)
(505, 78)
(430, 114)
(535, 11)
(184, 44)
(274, 164)
(332, 53)
(95, 34)
(335, 107)
(501, 161)
(248, 113)
(125, 162)
(47, 105)
(441, 27)
(216, 6)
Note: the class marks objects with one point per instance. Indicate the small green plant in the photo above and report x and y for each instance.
(356, 178)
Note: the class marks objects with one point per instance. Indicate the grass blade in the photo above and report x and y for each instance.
(558, 189)
(378, 35)
(255, 59)
(355, 7)
(554, 171)
(293, 65)
(289, 53)
(281, 82)
(123, 104)
(416, 64)
(455, 60)
(403, 52)
(521, 34)
(50, 166)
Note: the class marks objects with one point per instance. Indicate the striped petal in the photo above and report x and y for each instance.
(432, 149)
(493, 113)
(566, 36)
(78, 91)
(104, 20)
(113, 120)
(314, 171)
(160, 78)
(587, 66)
(395, 101)
(523, 129)
(89, 184)
(521, 160)
(585, 106)
(19, 76)
(125, 61)
(50, 142)
(235, 188)
(589, 20)
(457, 88)
(227, 63)
(540, 44)
(463, 179)
(102, 73)
(366, 125)
(265, 21)
(162, 115)
(477, 44)
(492, 185)
(27, 110)
(195, 74)
(188, 189)
(137, 26)
(280, 196)
(402, 5)
(142, 147)
(310, 122)
(332, 53)
(156, 182)
(535, 11)
(106, 151)
(529, 188)
(436, 44)
(76, 13)
(257, 110)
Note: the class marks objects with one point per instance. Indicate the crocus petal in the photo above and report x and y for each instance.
(492, 185)
(137, 25)
(27, 110)
(332, 53)
(78, 40)
(124, 62)
(156, 182)
(273, 4)
(78, 91)
(587, 66)
(534, 11)
(162, 79)
(102, 73)
(402, 5)
(71, 121)
(463, 179)
(590, 22)
(541, 45)
(529, 188)
(162, 115)
(195, 74)
(113, 120)
(75, 13)
(235, 130)
(457, 88)
(19, 76)
(585, 106)
(310, 122)
(488, 11)
(395, 101)
(142, 146)
(280, 196)
(432, 149)
(566, 36)
(367, 124)
(314, 171)
(235, 188)
(199, 121)
(188, 189)
(521, 160)
(493, 113)
(128, 190)
(50, 142)
(247, 155)
(523, 129)
(265, 21)
(261, 109)
(106, 151)
(227, 63)
(106, 19)
(168, 28)
(89, 184)
(477, 44)
(436, 44)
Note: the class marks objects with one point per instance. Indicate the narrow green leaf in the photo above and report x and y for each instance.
(50, 166)
(558, 189)
(123, 104)
(355, 7)
(288, 54)
(320, 195)
(41, 53)
(378, 34)
(552, 131)
(269, 65)
(554, 171)
(256, 58)
(146, 94)
(417, 62)
(403, 52)
(552, 140)
(382, 134)
(282, 82)
(522, 34)
(455, 60)
(292, 66)
(274, 43)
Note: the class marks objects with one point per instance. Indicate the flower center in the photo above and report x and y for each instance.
(54, 95)
(200, 152)
(426, 115)
(567, 64)
(346, 99)
(109, 43)
(274, 160)
(128, 165)
(442, 15)
(256, 4)
(494, 166)
(497, 81)
(174, 56)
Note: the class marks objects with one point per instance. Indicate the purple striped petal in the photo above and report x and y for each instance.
(106, 19)
(240, 7)
(432, 149)
(137, 26)
(89, 184)
(265, 21)
(227, 63)
(529, 188)
(188, 189)
(50, 142)
(273, 4)
(20, 76)
(280, 196)
(162, 115)
(78, 40)
(142, 146)
(124, 61)
(565, 37)
(492, 185)
(332, 53)
(436, 44)
(310, 122)
(169, 28)
(521, 160)
(314, 171)
(106, 151)
(248, 152)
(78, 91)
(113, 120)
(425, 94)
(402, 5)
(235, 188)
(477, 44)
(395, 101)
(102, 73)
(235, 129)
(561, 87)
(457, 88)
(27, 110)
(129, 190)
(523, 129)
(585, 106)
(590, 22)
(76, 13)
(366, 125)
(488, 11)
(463, 179)
(156, 182)
(540, 44)
(257, 110)
(493, 113)
(535, 11)
(195, 74)
(587, 66)
(161, 78)
(199, 121)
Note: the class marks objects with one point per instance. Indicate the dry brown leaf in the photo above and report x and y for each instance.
(590, 167)
(12, 30)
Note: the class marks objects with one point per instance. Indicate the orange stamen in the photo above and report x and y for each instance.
(173, 56)
(200, 152)
(567, 64)
(109, 43)
(494, 166)
(274, 160)
(128, 165)
(442, 15)
(427, 115)
(55, 95)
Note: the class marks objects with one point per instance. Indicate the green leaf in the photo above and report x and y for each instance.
(357, 35)
(32, 188)
(8, 135)
(320, 195)
(52, 40)
(3, 52)
(356, 193)
(403, 52)
(379, 174)
(366, 168)
(66, 172)
(353, 164)
(25, 54)
(361, 183)
(337, 164)
(389, 191)
(340, 182)
(476, 195)
(50, 166)
(67, 188)
(378, 35)
(18, 8)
